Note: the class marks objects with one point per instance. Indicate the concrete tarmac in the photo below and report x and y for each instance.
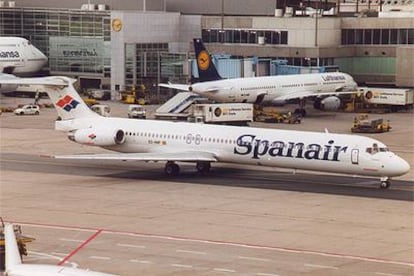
(130, 219)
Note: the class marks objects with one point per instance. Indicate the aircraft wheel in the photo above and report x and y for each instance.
(171, 169)
(300, 111)
(385, 184)
(203, 167)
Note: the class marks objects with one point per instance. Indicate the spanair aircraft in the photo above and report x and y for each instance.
(323, 87)
(19, 57)
(15, 267)
(151, 140)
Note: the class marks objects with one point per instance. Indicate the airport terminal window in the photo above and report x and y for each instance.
(377, 36)
(42, 26)
(244, 36)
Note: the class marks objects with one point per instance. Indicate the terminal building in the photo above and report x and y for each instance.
(124, 44)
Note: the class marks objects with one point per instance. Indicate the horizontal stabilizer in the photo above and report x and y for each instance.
(182, 87)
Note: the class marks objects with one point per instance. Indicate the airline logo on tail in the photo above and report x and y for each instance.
(203, 60)
(67, 103)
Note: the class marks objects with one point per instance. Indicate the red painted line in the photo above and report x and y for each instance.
(80, 247)
(217, 242)
(370, 170)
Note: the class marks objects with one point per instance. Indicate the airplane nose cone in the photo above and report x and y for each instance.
(399, 166)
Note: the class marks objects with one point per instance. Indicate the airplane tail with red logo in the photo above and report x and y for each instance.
(206, 69)
(69, 105)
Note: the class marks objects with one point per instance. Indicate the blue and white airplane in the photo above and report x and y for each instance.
(324, 88)
(151, 140)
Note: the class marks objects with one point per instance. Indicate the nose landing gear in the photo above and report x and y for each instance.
(385, 183)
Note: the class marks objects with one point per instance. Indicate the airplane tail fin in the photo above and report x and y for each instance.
(206, 69)
(12, 250)
(69, 105)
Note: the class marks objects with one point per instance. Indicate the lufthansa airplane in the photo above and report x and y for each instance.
(15, 267)
(19, 57)
(151, 140)
(323, 87)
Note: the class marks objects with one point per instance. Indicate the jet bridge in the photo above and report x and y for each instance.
(175, 108)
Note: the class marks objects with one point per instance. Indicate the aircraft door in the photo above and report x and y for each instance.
(355, 156)
(232, 94)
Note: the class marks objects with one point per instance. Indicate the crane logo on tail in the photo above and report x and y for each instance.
(203, 60)
(67, 103)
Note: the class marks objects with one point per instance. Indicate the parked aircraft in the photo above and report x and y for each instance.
(19, 57)
(150, 140)
(15, 267)
(323, 87)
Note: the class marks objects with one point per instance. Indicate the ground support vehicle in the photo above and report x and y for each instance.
(362, 124)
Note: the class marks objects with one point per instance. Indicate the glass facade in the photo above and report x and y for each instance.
(245, 36)
(377, 36)
(143, 61)
(74, 40)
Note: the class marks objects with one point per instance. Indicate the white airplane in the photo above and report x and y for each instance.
(151, 140)
(323, 87)
(19, 57)
(15, 267)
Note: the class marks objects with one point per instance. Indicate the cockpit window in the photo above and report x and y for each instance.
(375, 149)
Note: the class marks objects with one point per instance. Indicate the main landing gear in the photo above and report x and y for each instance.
(172, 169)
(301, 110)
(385, 183)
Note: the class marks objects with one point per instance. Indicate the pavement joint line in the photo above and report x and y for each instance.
(70, 240)
(217, 242)
(387, 274)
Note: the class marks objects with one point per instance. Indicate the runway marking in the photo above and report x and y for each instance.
(59, 253)
(70, 240)
(224, 270)
(235, 244)
(266, 274)
(99, 258)
(191, 252)
(254, 259)
(74, 265)
(140, 261)
(182, 265)
(131, 245)
(80, 247)
(387, 274)
(321, 266)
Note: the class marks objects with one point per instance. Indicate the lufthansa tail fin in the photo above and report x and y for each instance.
(69, 105)
(12, 250)
(206, 69)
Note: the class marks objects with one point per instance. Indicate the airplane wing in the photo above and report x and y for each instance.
(49, 81)
(184, 156)
(183, 87)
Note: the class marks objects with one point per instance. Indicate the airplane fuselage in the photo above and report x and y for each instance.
(273, 88)
(18, 56)
(338, 153)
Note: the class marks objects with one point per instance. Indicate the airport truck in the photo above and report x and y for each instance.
(394, 99)
(229, 113)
